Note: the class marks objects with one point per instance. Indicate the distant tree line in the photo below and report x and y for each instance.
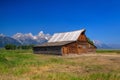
(14, 47)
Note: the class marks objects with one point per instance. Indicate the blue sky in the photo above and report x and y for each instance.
(101, 18)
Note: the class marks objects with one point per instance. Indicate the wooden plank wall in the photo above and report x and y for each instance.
(48, 50)
(80, 46)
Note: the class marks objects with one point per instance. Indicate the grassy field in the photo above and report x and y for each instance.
(108, 51)
(24, 65)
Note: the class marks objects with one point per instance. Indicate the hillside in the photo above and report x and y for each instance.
(8, 40)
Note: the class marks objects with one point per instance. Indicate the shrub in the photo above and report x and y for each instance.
(25, 47)
(10, 47)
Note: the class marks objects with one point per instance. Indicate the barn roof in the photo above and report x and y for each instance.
(55, 43)
(66, 36)
(59, 39)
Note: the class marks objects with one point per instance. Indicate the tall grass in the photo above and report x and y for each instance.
(24, 65)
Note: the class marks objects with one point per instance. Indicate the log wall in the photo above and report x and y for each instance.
(48, 50)
(80, 46)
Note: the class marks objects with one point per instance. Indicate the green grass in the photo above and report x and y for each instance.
(108, 51)
(24, 65)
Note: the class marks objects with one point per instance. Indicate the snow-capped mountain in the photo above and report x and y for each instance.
(41, 37)
(101, 45)
(7, 40)
(24, 39)
(29, 38)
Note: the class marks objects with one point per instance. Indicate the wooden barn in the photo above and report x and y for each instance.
(74, 42)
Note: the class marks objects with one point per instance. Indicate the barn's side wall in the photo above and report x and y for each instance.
(70, 48)
(48, 50)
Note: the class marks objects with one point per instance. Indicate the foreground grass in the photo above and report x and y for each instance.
(24, 65)
(108, 51)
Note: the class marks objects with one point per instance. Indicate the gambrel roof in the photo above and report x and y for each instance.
(66, 36)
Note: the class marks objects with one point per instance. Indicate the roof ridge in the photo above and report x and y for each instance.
(72, 31)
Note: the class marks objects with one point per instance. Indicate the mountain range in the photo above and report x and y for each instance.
(101, 45)
(29, 38)
(7, 40)
(24, 39)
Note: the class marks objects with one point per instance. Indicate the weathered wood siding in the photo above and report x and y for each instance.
(69, 48)
(48, 50)
(83, 45)
(79, 46)
(82, 37)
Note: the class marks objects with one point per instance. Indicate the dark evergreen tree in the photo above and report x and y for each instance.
(10, 47)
